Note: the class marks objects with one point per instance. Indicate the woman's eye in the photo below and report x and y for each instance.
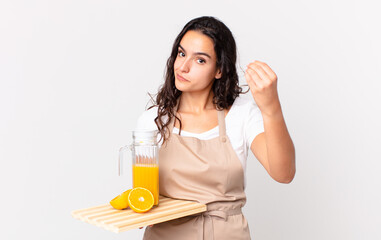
(200, 60)
(180, 53)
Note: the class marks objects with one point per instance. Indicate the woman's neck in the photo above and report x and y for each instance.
(196, 102)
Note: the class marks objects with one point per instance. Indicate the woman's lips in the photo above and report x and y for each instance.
(181, 78)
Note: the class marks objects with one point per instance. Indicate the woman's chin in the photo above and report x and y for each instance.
(181, 86)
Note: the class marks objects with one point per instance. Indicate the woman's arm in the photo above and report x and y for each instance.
(273, 148)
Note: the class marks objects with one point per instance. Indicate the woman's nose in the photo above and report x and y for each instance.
(185, 65)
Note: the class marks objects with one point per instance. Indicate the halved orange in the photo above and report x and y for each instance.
(121, 201)
(140, 199)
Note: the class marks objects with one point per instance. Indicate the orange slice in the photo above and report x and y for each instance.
(121, 201)
(140, 199)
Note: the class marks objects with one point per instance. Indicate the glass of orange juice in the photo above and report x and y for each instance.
(145, 161)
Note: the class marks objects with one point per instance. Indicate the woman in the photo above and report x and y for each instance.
(206, 128)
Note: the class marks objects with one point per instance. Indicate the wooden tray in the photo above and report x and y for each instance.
(114, 220)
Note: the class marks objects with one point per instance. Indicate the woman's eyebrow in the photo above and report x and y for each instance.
(196, 53)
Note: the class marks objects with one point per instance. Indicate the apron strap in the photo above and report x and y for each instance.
(172, 123)
(221, 123)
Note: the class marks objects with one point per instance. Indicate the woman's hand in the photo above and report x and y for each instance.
(263, 85)
(148, 226)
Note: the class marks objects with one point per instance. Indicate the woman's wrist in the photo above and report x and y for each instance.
(273, 112)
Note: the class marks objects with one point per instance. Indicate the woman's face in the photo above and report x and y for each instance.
(195, 62)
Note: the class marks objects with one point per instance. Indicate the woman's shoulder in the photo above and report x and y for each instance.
(245, 120)
(146, 120)
(244, 103)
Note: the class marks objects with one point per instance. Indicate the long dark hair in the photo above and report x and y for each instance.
(225, 89)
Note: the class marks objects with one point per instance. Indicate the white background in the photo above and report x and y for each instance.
(74, 77)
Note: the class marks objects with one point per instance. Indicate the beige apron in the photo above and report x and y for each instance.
(206, 171)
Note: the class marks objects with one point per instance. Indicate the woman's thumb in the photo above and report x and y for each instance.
(148, 226)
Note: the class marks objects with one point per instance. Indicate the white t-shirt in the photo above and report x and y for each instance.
(243, 123)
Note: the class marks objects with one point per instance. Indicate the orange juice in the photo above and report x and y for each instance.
(147, 176)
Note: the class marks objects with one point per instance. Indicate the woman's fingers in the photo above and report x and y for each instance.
(148, 226)
(250, 81)
(259, 70)
(267, 69)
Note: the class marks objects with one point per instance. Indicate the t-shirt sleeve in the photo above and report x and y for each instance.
(253, 123)
(146, 120)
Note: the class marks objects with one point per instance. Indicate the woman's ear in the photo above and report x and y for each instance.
(218, 74)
